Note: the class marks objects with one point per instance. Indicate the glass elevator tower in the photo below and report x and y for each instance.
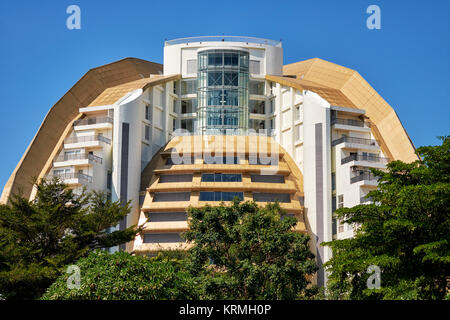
(222, 93)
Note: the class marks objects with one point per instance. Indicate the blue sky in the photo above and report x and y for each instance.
(407, 61)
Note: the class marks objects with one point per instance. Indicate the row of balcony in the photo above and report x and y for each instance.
(87, 139)
(369, 142)
(364, 157)
(350, 122)
(369, 176)
(92, 120)
(74, 175)
(79, 156)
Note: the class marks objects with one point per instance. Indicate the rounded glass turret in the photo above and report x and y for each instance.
(222, 92)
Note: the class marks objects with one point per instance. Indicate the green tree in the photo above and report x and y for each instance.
(121, 276)
(38, 238)
(405, 232)
(243, 251)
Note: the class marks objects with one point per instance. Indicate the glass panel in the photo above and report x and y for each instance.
(189, 86)
(243, 60)
(256, 106)
(231, 79)
(206, 196)
(227, 59)
(215, 78)
(224, 68)
(214, 97)
(256, 87)
(231, 97)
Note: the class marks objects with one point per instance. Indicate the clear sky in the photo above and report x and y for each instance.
(407, 61)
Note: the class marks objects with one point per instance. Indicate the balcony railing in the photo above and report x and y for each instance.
(88, 121)
(79, 156)
(365, 199)
(87, 139)
(74, 175)
(350, 122)
(223, 38)
(369, 158)
(364, 176)
(369, 142)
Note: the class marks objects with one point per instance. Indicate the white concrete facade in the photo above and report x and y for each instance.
(302, 122)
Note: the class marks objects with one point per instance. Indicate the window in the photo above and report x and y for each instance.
(215, 78)
(188, 106)
(187, 124)
(267, 178)
(148, 115)
(256, 124)
(70, 155)
(333, 204)
(214, 97)
(215, 59)
(167, 216)
(221, 160)
(297, 133)
(230, 59)
(220, 196)
(271, 197)
(189, 86)
(333, 181)
(164, 178)
(162, 237)
(340, 201)
(297, 112)
(61, 172)
(230, 79)
(174, 124)
(256, 87)
(341, 227)
(171, 196)
(191, 66)
(109, 180)
(254, 67)
(221, 177)
(333, 226)
(147, 132)
(182, 160)
(231, 97)
(256, 106)
(262, 160)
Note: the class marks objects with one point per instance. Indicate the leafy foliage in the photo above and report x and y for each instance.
(405, 232)
(121, 276)
(38, 238)
(244, 251)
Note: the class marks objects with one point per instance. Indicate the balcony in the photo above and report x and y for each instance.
(350, 125)
(76, 159)
(85, 141)
(74, 178)
(93, 123)
(257, 107)
(355, 140)
(365, 199)
(350, 122)
(367, 177)
(369, 158)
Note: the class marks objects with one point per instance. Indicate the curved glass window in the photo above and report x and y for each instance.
(222, 92)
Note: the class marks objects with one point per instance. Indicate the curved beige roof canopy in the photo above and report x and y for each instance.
(61, 115)
(345, 87)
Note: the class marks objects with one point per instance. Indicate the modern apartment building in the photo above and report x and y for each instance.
(222, 117)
